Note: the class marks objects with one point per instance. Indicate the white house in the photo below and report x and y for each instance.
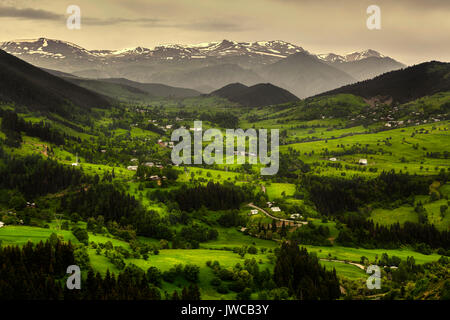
(275, 209)
(1, 224)
(296, 216)
(132, 168)
(363, 162)
(333, 159)
(254, 211)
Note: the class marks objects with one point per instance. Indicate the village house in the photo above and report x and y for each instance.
(132, 168)
(254, 211)
(1, 224)
(363, 162)
(276, 209)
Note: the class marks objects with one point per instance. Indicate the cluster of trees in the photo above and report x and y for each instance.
(103, 199)
(193, 235)
(39, 272)
(354, 149)
(241, 279)
(121, 212)
(427, 278)
(32, 272)
(223, 119)
(362, 232)
(214, 196)
(35, 176)
(231, 218)
(302, 274)
(291, 166)
(311, 234)
(189, 272)
(130, 284)
(438, 155)
(333, 195)
(12, 125)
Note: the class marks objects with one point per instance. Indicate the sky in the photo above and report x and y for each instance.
(412, 31)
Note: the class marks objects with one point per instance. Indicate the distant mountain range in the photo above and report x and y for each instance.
(262, 94)
(208, 66)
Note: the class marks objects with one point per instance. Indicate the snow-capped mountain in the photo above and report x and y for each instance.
(203, 66)
(43, 47)
(350, 57)
(58, 49)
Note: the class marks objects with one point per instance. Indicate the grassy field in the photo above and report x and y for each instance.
(275, 190)
(345, 270)
(407, 213)
(394, 150)
(20, 235)
(400, 215)
(229, 237)
(355, 254)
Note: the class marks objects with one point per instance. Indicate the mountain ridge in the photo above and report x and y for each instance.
(258, 95)
(402, 85)
(24, 84)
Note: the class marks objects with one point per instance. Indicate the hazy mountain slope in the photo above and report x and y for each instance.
(59, 74)
(369, 67)
(156, 89)
(24, 84)
(403, 85)
(262, 94)
(362, 65)
(116, 91)
(215, 76)
(305, 75)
